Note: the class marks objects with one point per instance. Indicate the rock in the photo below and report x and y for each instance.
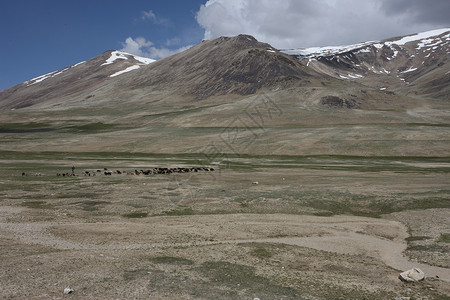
(412, 275)
(68, 290)
(336, 102)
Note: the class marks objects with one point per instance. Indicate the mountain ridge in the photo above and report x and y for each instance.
(239, 96)
(416, 63)
(241, 65)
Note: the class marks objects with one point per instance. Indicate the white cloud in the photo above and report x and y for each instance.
(304, 23)
(173, 42)
(151, 16)
(136, 46)
(141, 47)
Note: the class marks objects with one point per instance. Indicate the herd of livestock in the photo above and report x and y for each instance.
(107, 172)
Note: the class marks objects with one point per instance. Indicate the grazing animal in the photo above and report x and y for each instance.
(108, 173)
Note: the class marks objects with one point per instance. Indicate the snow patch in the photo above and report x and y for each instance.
(115, 55)
(420, 36)
(135, 67)
(76, 65)
(144, 60)
(351, 76)
(409, 70)
(50, 75)
(323, 51)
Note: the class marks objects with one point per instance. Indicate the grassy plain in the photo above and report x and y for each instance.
(219, 234)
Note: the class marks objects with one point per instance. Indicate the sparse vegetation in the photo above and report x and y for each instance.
(172, 260)
(135, 215)
(180, 212)
(261, 253)
(444, 238)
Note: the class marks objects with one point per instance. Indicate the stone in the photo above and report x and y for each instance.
(68, 290)
(412, 275)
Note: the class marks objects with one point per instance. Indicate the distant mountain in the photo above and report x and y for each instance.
(241, 65)
(240, 96)
(71, 81)
(417, 63)
(227, 65)
(238, 65)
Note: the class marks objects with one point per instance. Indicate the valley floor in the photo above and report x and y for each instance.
(267, 227)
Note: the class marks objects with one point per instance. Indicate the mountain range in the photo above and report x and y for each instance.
(387, 97)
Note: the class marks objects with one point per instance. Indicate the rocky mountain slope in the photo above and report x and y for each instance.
(239, 65)
(417, 63)
(71, 81)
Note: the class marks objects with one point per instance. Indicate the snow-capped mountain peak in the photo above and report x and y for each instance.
(123, 55)
(424, 38)
(112, 59)
(116, 55)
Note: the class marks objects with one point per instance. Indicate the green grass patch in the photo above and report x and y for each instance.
(135, 215)
(170, 260)
(91, 205)
(180, 212)
(417, 238)
(92, 127)
(245, 278)
(37, 204)
(444, 238)
(261, 253)
(25, 127)
(78, 195)
(428, 248)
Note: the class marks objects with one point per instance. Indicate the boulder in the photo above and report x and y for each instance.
(68, 290)
(412, 275)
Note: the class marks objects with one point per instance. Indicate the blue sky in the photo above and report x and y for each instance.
(41, 36)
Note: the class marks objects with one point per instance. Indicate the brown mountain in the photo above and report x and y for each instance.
(237, 95)
(238, 65)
